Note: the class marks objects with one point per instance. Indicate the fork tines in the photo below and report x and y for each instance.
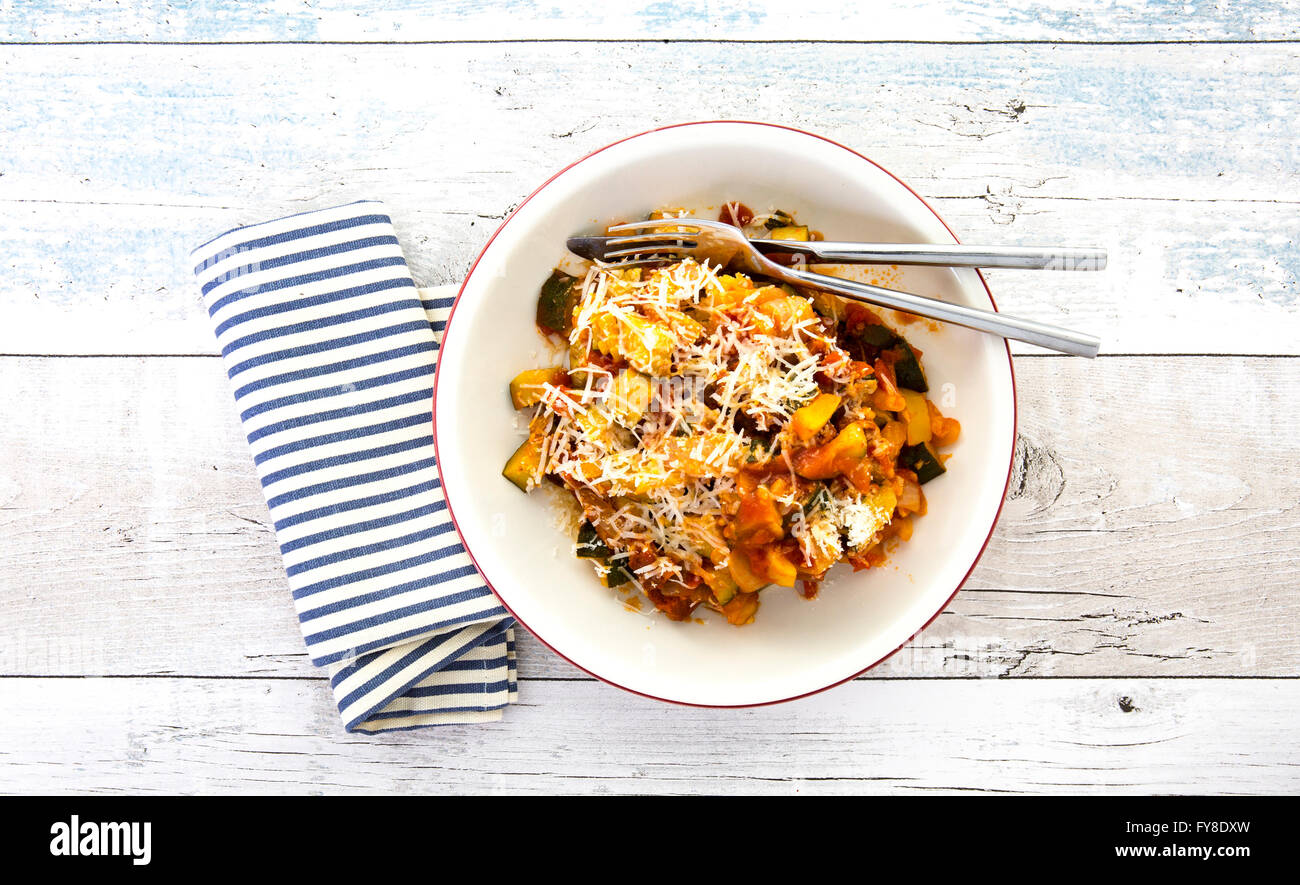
(639, 250)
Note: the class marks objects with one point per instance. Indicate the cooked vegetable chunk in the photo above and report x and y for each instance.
(528, 387)
(779, 219)
(629, 396)
(876, 336)
(589, 545)
(907, 369)
(917, 415)
(813, 417)
(647, 346)
(840, 455)
(524, 465)
(799, 232)
(556, 301)
(747, 578)
(922, 460)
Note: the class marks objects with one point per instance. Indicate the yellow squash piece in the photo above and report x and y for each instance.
(884, 501)
(779, 569)
(799, 232)
(840, 455)
(646, 345)
(629, 396)
(741, 609)
(705, 454)
(917, 416)
(813, 417)
(746, 578)
(785, 311)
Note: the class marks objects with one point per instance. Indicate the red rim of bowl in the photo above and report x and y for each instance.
(451, 511)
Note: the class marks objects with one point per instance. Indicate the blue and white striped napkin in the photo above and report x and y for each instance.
(331, 350)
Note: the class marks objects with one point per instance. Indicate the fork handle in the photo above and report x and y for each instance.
(1017, 257)
(1031, 331)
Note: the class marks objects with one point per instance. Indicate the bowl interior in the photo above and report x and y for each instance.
(521, 543)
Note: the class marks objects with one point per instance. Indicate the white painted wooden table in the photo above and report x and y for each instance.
(1132, 626)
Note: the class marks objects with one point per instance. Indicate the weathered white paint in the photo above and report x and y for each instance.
(1152, 523)
(411, 20)
(1045, 736)
(1180, 159)
(1144, 535)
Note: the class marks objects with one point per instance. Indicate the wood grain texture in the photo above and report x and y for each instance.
(149, 644)
(410, 20)
(1146, 534)
(1044, 736)
(116, 160)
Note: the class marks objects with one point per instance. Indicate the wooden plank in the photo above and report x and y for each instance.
(1050, 736)
(1146, 534)
(1179, 158)
(1185, 276)
(409, 20)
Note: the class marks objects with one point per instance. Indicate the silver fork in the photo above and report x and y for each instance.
(726, 246)
(927, 254)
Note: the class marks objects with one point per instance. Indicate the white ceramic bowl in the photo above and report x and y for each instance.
(795, 646)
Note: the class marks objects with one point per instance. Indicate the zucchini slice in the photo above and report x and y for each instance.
(922, 460)
(555, 303)
(828, 306)
(819, 500)
(590, 546)
(907, 369)
(873, 335)
(779, 219)
(742, 572)
(526, 387)
(722, 584)
(523, 465)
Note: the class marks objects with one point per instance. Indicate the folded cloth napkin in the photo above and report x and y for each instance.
(331, 351)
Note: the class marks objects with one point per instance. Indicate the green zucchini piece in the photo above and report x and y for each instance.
(820, 500)
(726, 589)
(907, 369)
(524, 463)
(556, 301)
(526, 387)
(590, 546)
(874, 335)
(922, 460)
(779, 219)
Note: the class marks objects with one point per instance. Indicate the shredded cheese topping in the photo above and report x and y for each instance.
(684, 389)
